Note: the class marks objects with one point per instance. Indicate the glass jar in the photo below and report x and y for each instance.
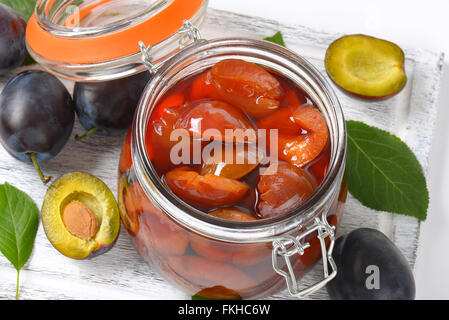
(91, 40)
(216, 258)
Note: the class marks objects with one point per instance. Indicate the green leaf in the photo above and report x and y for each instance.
(383, 173)
(28, 61)
(197, 297)
(276, 38)
(19, 220)
(216, 293)
(23, 7)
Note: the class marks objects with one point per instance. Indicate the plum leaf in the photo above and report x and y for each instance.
(23, 7)
(276, 38)
(383, 173)
(19, 220)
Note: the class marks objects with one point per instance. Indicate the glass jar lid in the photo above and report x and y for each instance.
(97, 40)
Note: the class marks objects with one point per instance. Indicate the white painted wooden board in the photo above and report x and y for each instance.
(121, 273)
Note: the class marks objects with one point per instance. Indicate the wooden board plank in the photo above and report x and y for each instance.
(121, 273)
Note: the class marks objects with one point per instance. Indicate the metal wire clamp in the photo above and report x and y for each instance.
(189, 34)
(287, 246)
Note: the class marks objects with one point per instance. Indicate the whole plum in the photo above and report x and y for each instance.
(36, 117)
(107, 108)
(12, 38)
(370, 267)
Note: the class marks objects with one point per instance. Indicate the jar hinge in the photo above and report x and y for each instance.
(189, 35)
(288, 245)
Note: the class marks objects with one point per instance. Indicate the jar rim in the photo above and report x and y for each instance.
(54, 19)
(225, 230)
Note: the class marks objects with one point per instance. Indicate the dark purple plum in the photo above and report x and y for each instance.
(36, 117)
(12, 38)
(370, 267)
(107, 108)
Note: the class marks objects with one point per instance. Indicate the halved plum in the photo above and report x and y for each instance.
(247, 254)
(202, 273)
(133, 202)
(165, 237)
(211, 249)
(219, 251)
(303, 133)
(247, 86)
(147, 223)
(80, 216)
(202, 87)
(239, 254)
(284, 190)
(163, 123)
(218, 116)
(306, 147)
(126, 161)
(208, 190)
(160, 129)
(368, 67)
(232, 214)
(292, 99)
(282, 120)
(320, 166)
(129, 213)
(232, 161)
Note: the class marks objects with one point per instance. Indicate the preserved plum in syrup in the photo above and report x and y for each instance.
(229, 178)
(239, 95)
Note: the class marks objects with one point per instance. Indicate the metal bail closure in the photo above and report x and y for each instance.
(287, 246)
(189, 35)
(146, 57)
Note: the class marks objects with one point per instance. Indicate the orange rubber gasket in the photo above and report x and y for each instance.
(114, 45)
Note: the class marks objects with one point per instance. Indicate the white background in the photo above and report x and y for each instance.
(411, 23)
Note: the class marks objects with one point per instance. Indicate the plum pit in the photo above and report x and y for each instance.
(79, 220)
